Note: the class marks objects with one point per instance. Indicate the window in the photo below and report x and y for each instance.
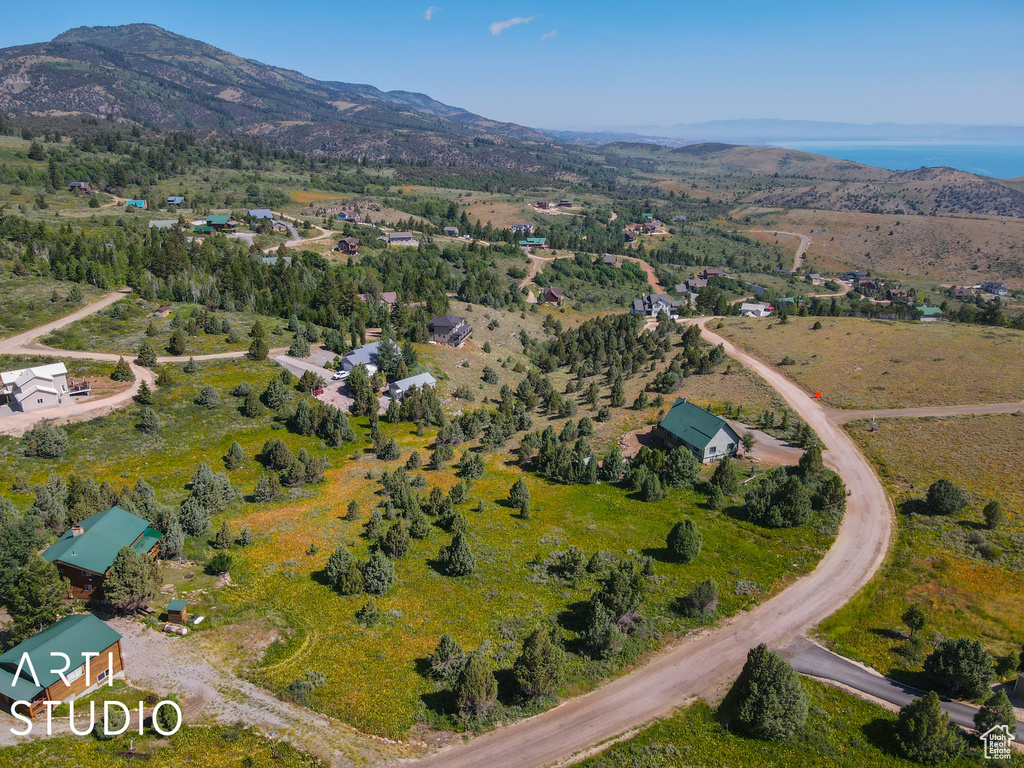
(39, 400)
(102, 676)
(72, 676)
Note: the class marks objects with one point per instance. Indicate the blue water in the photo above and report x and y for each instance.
(1003, 161)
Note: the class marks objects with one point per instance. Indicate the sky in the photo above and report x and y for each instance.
(611, 64)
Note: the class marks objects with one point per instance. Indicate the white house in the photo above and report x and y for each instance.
(33, 389)
(755, 310)
(651, 305)
(399, 389)
(363, 355)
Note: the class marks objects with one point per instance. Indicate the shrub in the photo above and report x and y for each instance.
(767, 701)
(208, 397)
(684, 541)
(368, 615)
(945, 498)
(218, 564)
(961, 666)
(701, 601)
(994, 515)
(45, 441)
(925, 735)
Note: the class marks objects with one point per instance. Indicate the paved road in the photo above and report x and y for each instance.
(819, 662)
(805, 243)
(705, 663)
(842, 415)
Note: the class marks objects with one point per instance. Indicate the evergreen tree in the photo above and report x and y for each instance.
(458, 558)
(173, 540)
(389, 451)
(245, 538)
(396, 541)
(538, 670)
(191, 366)
(650, 488)
(811, 464)
(276, 394)
(252, 407)
(924, 733)
(35, 599)
(235, 456)
(997, 710)
(147, 354)
(994, 515)
(122, 371)
(223, 539)
(378, 574)
(684, 541)
(131, 582)
(600, 633)
(767, 701)
(724, 477)
(446, 662)
(682, 470)
(613, 465)
(701, 601)
(519, 494)
(149, 422)
(618, 394)
(914, 619)
(962, 666)
(178, 344)
(194, 517)
(208, 397)
(145, 395)
(475, 689)
(268, 488)
(945, 498)
(258, 349)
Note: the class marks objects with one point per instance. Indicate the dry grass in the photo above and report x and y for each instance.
(860, 363)
(936, 562)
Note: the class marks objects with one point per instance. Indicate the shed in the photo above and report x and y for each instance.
(177, 611)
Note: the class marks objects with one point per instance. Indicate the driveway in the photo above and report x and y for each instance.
(819, 662)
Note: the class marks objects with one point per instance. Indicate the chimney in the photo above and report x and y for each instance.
(77, 530)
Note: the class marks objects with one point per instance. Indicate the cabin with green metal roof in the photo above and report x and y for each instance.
(705, 435)
(534, 242)
(84, 554)
(221, 221)
(138, 204)
(28, 671)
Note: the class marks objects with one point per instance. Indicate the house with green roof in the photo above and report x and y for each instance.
(29, 670)
(705, 435)
(221, 221)
(534, 242)
(138, 204)
(84, 554)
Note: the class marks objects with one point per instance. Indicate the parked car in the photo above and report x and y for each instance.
(318, 392)
(339, 376)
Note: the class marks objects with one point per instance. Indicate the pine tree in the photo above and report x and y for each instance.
(145, 395)
(538, 670)
(924, 733)
(223, 539)
(173, 540)
(178, 344)
(378, 574)
(235, 457)
(245, 538)
(268, 488)
(994, 515)
(194, 517)
(395, 541)
(149, 422)
(701, 601)
(650, 488)
(476, 688)
(131, 582)
(458, 558)
(914, 619)
(724, 477)
(682, 470)
(122, 371)
(258, 349)
(684, 541)
(945, 498)
(208, 397)
(252, 407)
(613, 465)
(811, 464)
(276, 394)
(147, 354)
(618, 394)
(35, 599)
(446, 662)
(519, 494)
(767, 701)
(191, 366)
(962, 666)
(997, 710)
(389, 451)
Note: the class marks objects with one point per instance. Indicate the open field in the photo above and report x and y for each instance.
(967, 579)
(842, 732)
(122, 328)
(28, 301)
(373, 675)
(860, 363)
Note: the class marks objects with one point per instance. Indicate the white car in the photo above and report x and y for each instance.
(339, 375)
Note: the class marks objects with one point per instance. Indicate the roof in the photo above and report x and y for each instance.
(446, 321)
(18, 688)
(176, 605)
(72, 635)
(47, 372)
(400, 236)
(419, 380)
(930, 311)
(451, 229)
(533, 241)
(693, 425)
(135, 203)
(364, 354)
(163, 223)
(388, 297)
(349, 241)
(261, 213)
(79, 184)
(175, 200)
(218, 218)
(105, 533)
(609, 258)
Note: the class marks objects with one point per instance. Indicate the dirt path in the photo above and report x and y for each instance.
(537, 264)
(297, 241)
(705, 663)
(656, 287)
(805, 243)
(841, 416)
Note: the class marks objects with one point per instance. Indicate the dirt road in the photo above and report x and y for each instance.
(805, 243)
(537, 264)
(656, 287)
(842, 416)
(704, 663)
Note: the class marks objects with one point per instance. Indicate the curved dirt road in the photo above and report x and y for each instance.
(705, 663)
(805, 243)
(537, 264)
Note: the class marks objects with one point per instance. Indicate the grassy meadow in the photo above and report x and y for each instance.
(967, 579)
(861, 363)
(374, 678)
(842, 732)
(28, 301)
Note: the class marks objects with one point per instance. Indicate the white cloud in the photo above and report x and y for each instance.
(498, 27)
(429, 13)
(549, 35)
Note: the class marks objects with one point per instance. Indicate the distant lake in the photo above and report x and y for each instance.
(1003, 161)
